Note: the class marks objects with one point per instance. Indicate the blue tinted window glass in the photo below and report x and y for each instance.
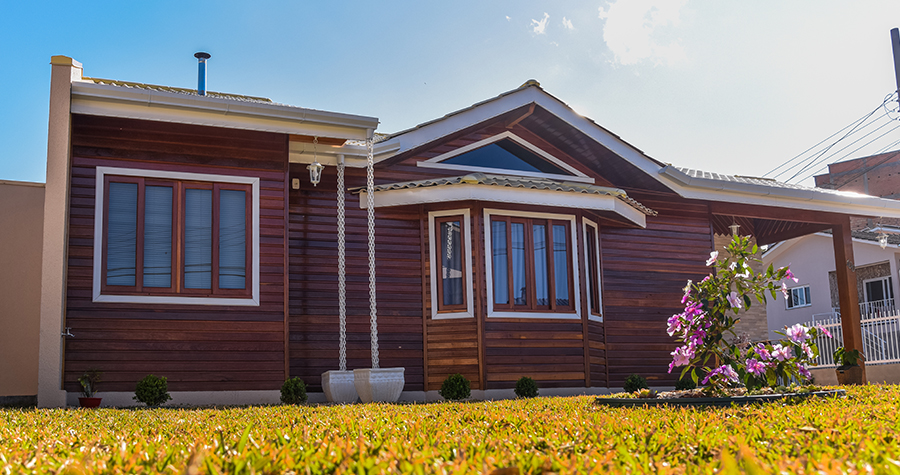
(232, 239)
(158, 236)
(121, 234)
(198, 239)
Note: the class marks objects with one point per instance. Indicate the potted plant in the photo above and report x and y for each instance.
(848, 371)
(89, 381)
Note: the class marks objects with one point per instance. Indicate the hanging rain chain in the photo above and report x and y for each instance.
(342, 266)
(370, 201)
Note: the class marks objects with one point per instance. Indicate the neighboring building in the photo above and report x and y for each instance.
(182, 237)
(21, 226)
(876, 175)
(811, 259)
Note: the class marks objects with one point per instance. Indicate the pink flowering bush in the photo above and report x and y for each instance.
(712, 308)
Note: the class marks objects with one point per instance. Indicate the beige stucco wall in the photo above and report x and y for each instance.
(875, 374)
(811, 259)
(21, 230)
(753, 321)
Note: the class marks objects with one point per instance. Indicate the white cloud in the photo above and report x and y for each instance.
(508, 18)
(568, 24)
(540, 26)
(632, 30)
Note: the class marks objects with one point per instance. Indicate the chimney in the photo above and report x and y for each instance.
(201, 72)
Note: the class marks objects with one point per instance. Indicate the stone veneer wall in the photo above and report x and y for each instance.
(753, 322)
(863, 274)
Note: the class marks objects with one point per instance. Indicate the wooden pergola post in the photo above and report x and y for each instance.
(847, 288)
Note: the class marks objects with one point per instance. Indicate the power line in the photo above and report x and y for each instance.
(833, 144)
(889, 122)
(856, 150)
(820, 143)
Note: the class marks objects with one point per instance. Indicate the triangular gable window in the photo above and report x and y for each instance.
(507, 154)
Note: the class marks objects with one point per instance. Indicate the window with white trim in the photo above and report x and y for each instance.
(880, 289)
(451, 264)
(176, 238)
(798, 297)
(592, 270)
(530, 263)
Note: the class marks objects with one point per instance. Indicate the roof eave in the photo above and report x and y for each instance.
(99, 99)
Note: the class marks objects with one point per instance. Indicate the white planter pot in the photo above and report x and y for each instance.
(339, 387)
(379, 384)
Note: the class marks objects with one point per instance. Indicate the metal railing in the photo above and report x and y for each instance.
(880, 334)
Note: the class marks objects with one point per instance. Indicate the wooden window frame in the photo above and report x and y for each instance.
(466, 309)
(531, 309)
(177, 293)
(593, 272)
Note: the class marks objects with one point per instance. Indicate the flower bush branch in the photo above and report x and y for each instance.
(712, 309)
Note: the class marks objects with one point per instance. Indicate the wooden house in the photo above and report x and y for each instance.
(183, 238)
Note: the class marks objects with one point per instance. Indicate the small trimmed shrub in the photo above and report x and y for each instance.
(152, 390)
(685, 383)
(635, 383)
(293, 391)
(455, 388)
(526, 387)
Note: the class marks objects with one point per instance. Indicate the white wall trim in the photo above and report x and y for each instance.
(436, 162)
(489, 262)
(98, 237)
(467, 236)
(503, 194)
(587, 273)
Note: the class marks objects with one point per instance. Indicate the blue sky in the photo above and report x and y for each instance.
(732, 87)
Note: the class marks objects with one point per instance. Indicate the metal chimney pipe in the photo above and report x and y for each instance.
(201, 72)
(895, 45)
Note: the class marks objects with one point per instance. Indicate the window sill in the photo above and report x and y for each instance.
(550, 315)
(595, 318)
(452, 315)
(799, 306)
(157, 299)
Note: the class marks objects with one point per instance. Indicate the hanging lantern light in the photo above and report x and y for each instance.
(882, 239)
(734, 227)
(315, 168)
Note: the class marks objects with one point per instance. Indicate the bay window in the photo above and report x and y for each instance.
(175, 238)
(530, 263)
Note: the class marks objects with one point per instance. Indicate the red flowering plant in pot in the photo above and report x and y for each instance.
(89, 381)
(710, 348)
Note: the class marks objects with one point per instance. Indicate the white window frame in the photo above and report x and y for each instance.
(437, 162)
(179, 300)
(489, 262)
(435, 276)
(886, 286)
(791, 290)
(587, 273)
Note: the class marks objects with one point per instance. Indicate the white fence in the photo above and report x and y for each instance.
(880, 334)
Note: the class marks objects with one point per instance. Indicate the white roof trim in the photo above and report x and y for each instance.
(116, 101)
(497, 194)
(749, 193)
(436, 162)
(669, 176)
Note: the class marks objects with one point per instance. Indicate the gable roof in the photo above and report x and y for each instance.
(688, 183)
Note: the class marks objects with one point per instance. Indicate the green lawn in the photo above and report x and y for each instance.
(564, 435)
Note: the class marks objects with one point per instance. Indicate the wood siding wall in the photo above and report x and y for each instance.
(644, 271)
(314, 318)
(196, 347)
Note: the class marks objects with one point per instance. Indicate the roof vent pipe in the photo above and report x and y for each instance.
(201, 72)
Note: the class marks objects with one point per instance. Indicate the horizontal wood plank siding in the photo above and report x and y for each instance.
(197, 347)
(644, 271)
(313, 295)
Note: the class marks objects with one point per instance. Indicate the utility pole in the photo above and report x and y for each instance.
(895, 44)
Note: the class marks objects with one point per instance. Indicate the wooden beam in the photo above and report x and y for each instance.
(423, 256)
(521, 117)
(769, 212)
(847, 290)
(321, 141)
